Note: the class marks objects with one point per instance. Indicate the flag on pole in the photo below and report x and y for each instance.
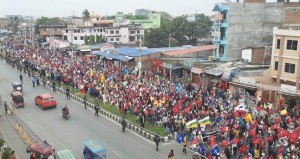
(192, 124)
(205, 121)
(215, 150)
(240, 107)
(180, 138)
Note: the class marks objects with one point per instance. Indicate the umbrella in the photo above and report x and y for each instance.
(243, 149)
(235, 141)
(224, 129)
(256, 140)
(224, 143)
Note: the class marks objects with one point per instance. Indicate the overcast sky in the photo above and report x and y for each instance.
(61, 8)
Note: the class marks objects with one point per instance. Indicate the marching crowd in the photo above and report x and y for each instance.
(231, 128)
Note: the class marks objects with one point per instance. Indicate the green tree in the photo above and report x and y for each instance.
(99, 39)
(44, 21)
(92, 40)
(86, 40)
(14, 23)
(86, 16)
(179, 29)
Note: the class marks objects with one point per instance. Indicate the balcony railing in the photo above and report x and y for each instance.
(217, 17)
(216, 34)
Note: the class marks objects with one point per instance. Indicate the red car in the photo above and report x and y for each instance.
(45, 101)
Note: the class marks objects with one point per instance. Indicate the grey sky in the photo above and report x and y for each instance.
(103, 7)
(61, 8)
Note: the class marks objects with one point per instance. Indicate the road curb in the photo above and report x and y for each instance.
(142, 132)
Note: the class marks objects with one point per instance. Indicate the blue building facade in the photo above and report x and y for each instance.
(219, 31)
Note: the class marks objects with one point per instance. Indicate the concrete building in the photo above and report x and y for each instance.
(281, 80)
(124, 34)
(153, 20)
(249, 23)
(143, 12)
(76, 34)
(51, 31)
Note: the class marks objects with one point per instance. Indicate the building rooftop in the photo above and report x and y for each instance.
(189, 50)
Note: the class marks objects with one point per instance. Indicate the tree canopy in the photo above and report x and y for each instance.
(181, 30)
(86, 16)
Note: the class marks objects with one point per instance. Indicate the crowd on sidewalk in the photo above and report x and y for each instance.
(173, 104)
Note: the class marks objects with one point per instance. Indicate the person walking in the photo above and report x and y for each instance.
(124, 124)
(33, 81)
(157, 141)
(84, 101)
(13, 155)
(96, 107)
(171, 154)
(68, 93)
(21, 78)
(5, 107)
(53, 87)
(142, 121)
(184, 140)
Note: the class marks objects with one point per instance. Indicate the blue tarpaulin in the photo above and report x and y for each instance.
(114, 56)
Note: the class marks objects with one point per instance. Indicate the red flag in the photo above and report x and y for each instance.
(176, 109)
(195, 141)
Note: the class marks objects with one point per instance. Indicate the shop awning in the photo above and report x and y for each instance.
(242, 85)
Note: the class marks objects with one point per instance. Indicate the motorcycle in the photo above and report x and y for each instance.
(65, 114)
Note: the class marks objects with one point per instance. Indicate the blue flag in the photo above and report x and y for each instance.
(180, 138)
(215, 150)
(201, 149)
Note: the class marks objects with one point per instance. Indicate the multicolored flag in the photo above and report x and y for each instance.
(205, 121)
(192, 124)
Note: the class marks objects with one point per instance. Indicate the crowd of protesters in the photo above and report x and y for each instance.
(171, 103)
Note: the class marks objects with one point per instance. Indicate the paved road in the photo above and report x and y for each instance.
(70, 134)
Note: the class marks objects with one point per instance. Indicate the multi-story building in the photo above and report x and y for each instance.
(153, 20)
(249, 23)
(124, 34)
(282, 79)
(51, 31)
(77, 34)
(143, 12)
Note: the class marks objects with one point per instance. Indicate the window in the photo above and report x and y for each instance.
(132, 32)
(111, 32)
(117, 31)
(44, 29)
(117, 39)
(131, 38)
(100, 30)
(289, 68)
(138, 31)
(111, 39)
(276, 65)
(75, 38)
(67, 31)
(65, 38)
(278, 44)
(292, 45)
(97, 18)
(55, 29)
(81, 38)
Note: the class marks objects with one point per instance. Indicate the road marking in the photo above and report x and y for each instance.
(116, 153)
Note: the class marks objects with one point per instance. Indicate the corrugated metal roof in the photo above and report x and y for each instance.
(190, 50)
(133, 52)
(114, 56)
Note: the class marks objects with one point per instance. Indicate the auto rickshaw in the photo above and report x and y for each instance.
(17, 86)
(93, 150)
(18, 99)
(65, 154)
(41, 150)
